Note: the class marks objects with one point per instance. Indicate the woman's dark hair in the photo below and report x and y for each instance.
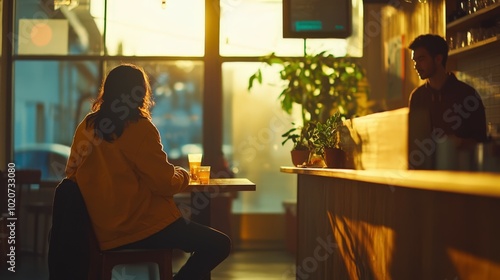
(125, 96)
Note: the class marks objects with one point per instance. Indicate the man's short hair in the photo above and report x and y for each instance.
(434, 44)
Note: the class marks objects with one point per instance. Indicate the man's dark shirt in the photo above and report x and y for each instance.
(455, 109)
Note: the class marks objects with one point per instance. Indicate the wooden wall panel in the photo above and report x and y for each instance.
(410, 20)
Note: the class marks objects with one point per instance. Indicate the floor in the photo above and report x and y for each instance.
(242, 265)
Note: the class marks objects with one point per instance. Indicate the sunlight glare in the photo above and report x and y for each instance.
(146, 28)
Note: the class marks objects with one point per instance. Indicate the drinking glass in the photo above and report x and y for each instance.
(194, 165)
(204, 174)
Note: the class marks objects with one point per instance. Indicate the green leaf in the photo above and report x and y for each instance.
(256, 76)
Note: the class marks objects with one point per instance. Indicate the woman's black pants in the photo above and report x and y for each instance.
(208, 247)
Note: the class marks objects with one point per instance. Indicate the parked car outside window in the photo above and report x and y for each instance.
(50, 158)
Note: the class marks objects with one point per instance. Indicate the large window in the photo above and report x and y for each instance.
(254, 121)
(145, 28)
(253, 124)
(42, 28)
(59, 94)
(254, 28)
(177, 88)
(131, 28)
(53, 95)
(62, 52)
(50, 98)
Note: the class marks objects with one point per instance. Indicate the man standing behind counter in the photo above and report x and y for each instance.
(443, 108)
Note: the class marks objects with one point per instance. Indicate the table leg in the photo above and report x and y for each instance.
(200, 207)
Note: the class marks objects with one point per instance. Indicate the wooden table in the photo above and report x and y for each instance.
(201, 195)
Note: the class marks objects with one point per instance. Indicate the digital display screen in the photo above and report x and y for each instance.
(317, 18)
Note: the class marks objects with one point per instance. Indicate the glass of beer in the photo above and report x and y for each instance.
(194, 164)
(204, 174)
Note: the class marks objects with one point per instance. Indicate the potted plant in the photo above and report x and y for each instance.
(327, 141)
(321, 83)
(301, 139)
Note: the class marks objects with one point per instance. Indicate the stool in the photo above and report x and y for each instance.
(102, 262)
(163, 258)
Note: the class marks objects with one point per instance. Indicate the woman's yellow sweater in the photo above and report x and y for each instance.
(128, 185)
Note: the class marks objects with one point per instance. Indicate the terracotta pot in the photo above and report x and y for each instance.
(335, 158)
(299, 157)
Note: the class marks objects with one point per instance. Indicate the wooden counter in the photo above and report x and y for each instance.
(397, 224)
(473, 183)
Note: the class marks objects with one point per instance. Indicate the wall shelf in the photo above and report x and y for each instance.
(484, 44)
(481, 19)
(474, 19)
